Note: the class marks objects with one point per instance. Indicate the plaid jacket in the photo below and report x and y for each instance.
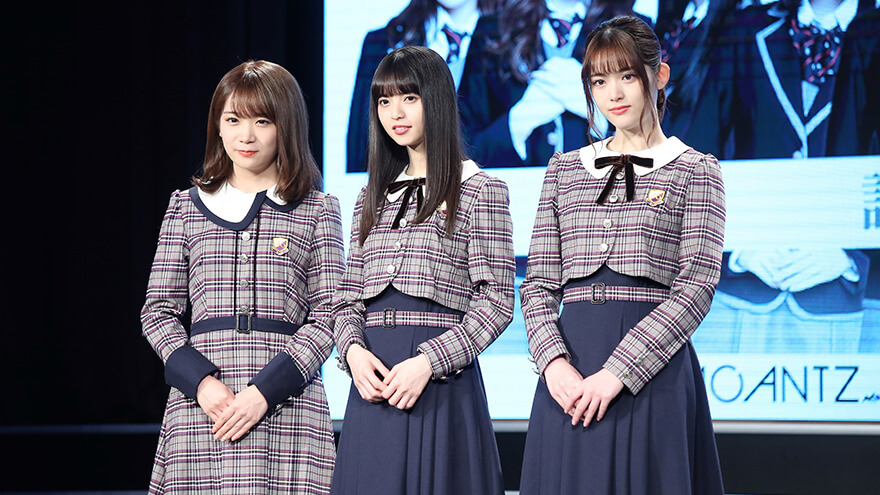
(671, 232)
(470, 271)
(282, 262)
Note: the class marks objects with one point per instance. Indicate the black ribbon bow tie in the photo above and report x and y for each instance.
(625, 163)
(410, 186)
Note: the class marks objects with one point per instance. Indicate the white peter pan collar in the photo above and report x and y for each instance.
(662, 154)
(233, 204)
(468, 169)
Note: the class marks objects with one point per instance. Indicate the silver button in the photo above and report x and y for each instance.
(244, 309)
(242, 283)
(613, 198)
(398, 245)
(403, 222)
(603, 247)
(620, 175)
(607, 223)
(391, 269)
(243, 258)
(245, 236)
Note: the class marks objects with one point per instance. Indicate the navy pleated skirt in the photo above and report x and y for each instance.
(445, 444)
(658, 442)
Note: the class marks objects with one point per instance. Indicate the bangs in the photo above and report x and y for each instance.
(249, 100)
(612, 54)
(393, 79)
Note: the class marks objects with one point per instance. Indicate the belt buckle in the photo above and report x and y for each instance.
(389, 318)
(597, 293)
(238, 327)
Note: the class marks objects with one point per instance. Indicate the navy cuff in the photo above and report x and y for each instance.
(278, 380)
(185, 368)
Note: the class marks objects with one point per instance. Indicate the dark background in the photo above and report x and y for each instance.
(105, 108)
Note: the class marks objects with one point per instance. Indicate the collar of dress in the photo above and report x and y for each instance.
(468, 169)
(662, 154)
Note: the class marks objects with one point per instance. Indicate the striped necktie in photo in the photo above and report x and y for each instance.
(563, 29)
(454, 38)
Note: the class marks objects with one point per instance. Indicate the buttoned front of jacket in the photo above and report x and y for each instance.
(671, 232)
(470, 270)
(282, 262)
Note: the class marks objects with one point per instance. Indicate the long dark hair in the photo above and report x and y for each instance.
(417, 70)
(623, 43)
(519, 43)
(263, 89)
(408, 28)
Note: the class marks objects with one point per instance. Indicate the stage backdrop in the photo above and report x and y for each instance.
(793, 333)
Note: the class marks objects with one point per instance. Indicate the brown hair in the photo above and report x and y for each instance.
(263, 89)
(622, 43)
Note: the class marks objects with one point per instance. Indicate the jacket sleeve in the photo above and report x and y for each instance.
(167, 296)
(491, 268)
(348, 301)
(541, 291)
(292, 369)
(648, 347)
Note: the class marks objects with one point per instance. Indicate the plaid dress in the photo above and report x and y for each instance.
(635, 278)
(277, 267)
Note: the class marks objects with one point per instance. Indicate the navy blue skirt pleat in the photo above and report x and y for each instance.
(445, 444)
(658, 442)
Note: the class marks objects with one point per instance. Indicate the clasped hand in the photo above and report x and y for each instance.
(233, 414)
(581, 398)
(401, 386)
(793, 270)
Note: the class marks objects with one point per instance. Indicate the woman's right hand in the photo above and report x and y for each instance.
(562, 378)
(213, 396)
(364, 366)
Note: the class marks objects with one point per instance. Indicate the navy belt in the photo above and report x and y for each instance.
(243, 324)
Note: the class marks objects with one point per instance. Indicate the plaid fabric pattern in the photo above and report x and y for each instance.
(219, 271)
(677, 242)
(413, 318)
(603, 293)
(470, 271)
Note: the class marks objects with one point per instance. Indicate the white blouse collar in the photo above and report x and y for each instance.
(468, 169)
(434, 25)
(841, 16)
(662, 154)
(233, 204)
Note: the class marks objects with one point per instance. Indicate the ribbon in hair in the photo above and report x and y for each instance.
(410, 186)
(625, 163)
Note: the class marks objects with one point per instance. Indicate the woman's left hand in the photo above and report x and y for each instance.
(595, 395)
(241, 415)
(406, 381)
